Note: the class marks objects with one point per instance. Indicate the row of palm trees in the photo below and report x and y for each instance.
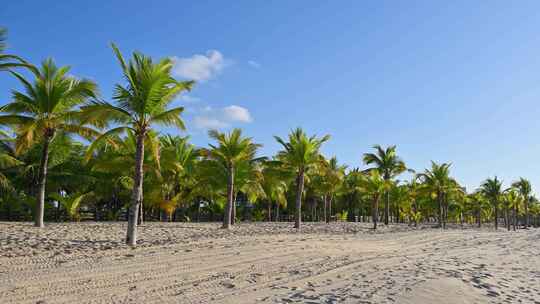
(126, 155)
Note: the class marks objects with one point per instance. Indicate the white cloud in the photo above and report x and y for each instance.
(254, 64)
(200, 67)
(210, 118)
(237, 113)
(204, 122)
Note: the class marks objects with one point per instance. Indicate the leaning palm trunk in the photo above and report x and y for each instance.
(42, 179)
(299, 191)
(136, 195)
(230, 200)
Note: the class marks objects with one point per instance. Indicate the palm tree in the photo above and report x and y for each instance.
(513, 199)
(524, 188)
(374, 185)
(300, 154)
(275, 182)
(492, 189)
(232, 151)
(47, 106)
(437, 180)
(389, 165)
(141, 103)
(333, 175)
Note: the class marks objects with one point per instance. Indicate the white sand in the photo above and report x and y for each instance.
(266, 263)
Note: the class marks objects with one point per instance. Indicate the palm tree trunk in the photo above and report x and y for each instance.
(277, 212)
(233, 216)
(496, 215)
(439, 201)
(230, 200)
(329, 208)
(375, 211)
(269, 210)
(42, 180)
(325, 209)
(526, 212)
(136, 195)
(514, 216)
(299, 191)
(387, 207)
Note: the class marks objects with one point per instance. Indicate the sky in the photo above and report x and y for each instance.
(448, 81)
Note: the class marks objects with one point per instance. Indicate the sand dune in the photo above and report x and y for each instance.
(266, 263)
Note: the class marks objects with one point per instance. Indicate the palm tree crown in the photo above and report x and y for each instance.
(47, 106)
(300, 154)
(141, 103)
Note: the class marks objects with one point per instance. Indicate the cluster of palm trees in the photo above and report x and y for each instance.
(64, 151)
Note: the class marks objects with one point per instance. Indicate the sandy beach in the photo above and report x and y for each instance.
(267, 263)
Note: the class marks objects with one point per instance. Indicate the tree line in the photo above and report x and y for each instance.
(67, 154)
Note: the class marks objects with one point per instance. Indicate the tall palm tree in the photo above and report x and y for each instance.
(437, 180)
(300, 154)
(524, 188)
(140, 104)
(232, 150)
(389, 165)
(374, 185)
(47, 105)
(492, 189)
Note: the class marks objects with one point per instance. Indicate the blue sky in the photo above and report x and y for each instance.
(450, 81)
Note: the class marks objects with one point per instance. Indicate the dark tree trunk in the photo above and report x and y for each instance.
(387, 207)
(233, 216)
(526, 212)
(325, 208)
(137, 194)
(496, 216)
(439, 201)
(375, 211)
(42, 181)
(227, 217)
(299, 191)
(269, 210)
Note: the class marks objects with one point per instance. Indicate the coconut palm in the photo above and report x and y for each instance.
(275, 183)
(332, 178)
(513, 200)
(141, 103)
(232, 150)
(47, 106)
(299, 155)
(524, 188)
(492, 189)
(389, 165)
(374, 185)
(437, 181)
